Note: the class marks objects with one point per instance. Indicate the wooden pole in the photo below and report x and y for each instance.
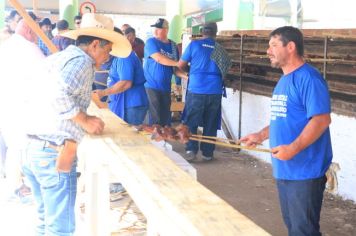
(231, 145)
(35, 6)
(33, 25)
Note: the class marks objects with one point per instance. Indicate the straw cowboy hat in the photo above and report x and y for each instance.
(102, 27)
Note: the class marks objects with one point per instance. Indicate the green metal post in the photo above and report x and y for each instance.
(245, 16)
(67, 10)
(2, 14)
(176, 21)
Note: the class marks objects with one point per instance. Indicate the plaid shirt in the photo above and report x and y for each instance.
(43, 47)
(75, 76)
(221, 58)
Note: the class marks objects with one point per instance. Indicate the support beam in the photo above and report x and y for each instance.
(67, 10)
(2, 14)
(175, 18)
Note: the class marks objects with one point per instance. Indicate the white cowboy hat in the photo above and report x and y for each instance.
(102, 27)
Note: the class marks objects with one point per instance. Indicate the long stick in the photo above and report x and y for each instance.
(33, 25)
(219, 143)
(102, 71)
(100, 83)
(231, 145)
(213, 138)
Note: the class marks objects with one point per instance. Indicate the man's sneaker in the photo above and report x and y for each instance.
(116, 188)
(207, 158)
(117, 191)
(24, 194)
(190, 156)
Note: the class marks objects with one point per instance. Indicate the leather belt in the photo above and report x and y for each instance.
(46, 144)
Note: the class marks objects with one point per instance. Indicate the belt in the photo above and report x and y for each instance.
(46, 144)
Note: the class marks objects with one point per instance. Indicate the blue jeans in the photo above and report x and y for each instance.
(135, 115)
(301, 202)
(3, 149)
(159, 107)
(202, 110)
(54, 192)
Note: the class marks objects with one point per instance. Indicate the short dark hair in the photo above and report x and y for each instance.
(11, 16)
(33, 16)
(290, 34)
(78, 17)
(210, 29)
(62, 25)
(13, 13)
(86, 40)
(130, 30)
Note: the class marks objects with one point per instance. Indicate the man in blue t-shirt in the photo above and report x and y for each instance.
(205, 86)
(126, 89)
(161, 56)
(298, 133)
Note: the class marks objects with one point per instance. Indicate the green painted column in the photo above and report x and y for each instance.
(2, 13)
(237, 15)
(176, 28)
(67, 10)
(245, 15)
(76, 7)
(176, 20)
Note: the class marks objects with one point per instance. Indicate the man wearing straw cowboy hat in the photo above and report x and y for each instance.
(50, 163)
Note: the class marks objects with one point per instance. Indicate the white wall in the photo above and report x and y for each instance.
(255, 116)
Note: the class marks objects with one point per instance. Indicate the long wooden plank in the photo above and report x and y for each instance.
(33, 25)
(169, 198)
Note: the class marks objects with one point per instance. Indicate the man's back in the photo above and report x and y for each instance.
(21, 62)
(204, 74)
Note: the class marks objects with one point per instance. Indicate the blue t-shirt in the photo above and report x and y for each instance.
(157, 76)
(129, 68)
(204, 74)
(297, 97)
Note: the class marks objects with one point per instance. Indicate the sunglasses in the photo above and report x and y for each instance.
(78, 22)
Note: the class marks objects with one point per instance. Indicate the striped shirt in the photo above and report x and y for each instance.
(73, 71)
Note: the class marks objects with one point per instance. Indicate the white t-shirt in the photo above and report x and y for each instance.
(23, 87)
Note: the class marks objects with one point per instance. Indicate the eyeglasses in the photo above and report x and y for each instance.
(78, 22)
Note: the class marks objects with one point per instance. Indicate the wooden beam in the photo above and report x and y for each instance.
(33, 25)
(172, 201)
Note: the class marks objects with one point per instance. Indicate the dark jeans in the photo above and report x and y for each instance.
(202, 110)
(301, 202)
(159, 107)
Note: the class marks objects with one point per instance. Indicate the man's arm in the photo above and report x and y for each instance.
(311, 132)
(183, 65)
(178, 72)
(118, 87)
(254, 139)
(163, 60)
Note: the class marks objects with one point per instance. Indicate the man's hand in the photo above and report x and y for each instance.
(284, 152)
(99, 93)
(251, 140)
(91, 124)
(66, 156)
